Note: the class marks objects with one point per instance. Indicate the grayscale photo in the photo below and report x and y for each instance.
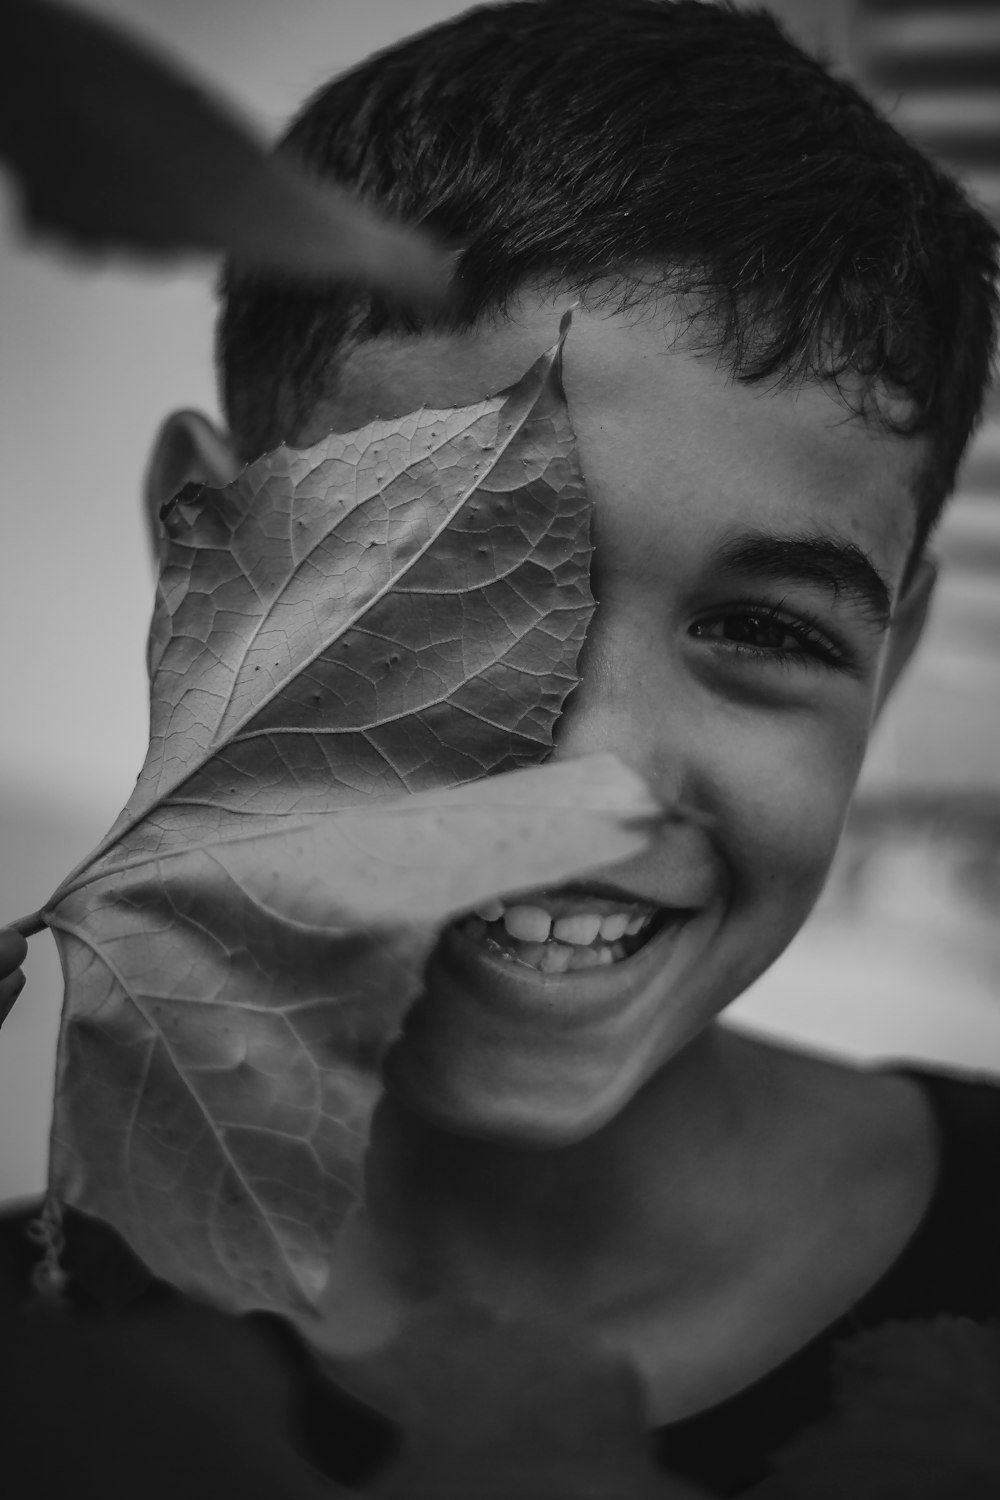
(500, 750)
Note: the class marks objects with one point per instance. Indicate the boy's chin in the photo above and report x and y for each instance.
(520, 1109)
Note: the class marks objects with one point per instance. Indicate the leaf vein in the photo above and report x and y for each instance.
(119, 979)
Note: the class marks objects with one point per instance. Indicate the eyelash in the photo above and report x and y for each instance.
(815, 645)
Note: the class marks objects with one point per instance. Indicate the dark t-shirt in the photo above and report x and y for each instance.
(252, 1411)
(950, 1265)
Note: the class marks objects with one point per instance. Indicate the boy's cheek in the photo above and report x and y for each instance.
(785, 826)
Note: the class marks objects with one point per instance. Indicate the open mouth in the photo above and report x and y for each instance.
(563, 932)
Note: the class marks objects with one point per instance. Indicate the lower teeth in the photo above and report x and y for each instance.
(549, 957)
(558, 958)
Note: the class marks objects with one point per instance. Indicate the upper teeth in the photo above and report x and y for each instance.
(533, 924)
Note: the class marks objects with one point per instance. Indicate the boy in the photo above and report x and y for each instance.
(782, 339)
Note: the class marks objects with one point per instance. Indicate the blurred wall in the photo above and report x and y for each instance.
(91, 358)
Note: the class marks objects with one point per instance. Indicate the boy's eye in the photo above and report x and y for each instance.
(765, 634)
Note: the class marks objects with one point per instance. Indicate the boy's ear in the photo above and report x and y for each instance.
(188, 449)
(908, 621)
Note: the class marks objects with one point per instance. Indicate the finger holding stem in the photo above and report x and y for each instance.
(13, 951)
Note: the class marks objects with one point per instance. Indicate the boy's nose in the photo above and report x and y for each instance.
(622, 705)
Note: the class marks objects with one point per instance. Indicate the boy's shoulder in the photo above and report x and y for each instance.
(893, 1101)
(868, 1196)
(912, 1151)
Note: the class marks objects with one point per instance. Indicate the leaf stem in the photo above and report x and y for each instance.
(28, 926)
(49, 1280)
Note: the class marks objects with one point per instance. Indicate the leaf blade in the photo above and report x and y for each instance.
(275, 1044)
(242, 947)
(222, 548)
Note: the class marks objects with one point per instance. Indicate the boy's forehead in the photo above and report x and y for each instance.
(388, 377)
(659, 423)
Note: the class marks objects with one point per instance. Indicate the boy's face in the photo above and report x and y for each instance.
(750, 544)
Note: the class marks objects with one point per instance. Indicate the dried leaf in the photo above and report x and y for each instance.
(918, 1418)
(115, 149)
(391, 612)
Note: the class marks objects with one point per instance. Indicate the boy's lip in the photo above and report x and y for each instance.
(690, 894)
(512, 986)
(601, 890)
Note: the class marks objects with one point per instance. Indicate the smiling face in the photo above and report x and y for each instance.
(749, 546)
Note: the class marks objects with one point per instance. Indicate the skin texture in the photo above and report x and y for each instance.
(677, 458)
(552, 1143)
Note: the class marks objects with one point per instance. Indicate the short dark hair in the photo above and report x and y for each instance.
(572, 141)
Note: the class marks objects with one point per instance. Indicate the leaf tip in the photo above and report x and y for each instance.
(565, 322)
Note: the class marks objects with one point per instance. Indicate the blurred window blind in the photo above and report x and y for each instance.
(935, 70)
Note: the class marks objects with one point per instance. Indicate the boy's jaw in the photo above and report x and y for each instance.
(497, 1047)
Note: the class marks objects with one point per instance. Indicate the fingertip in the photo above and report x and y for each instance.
(13, 949)
(10, 988)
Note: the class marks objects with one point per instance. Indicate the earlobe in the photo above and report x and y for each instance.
(188, 449)
(908, 621)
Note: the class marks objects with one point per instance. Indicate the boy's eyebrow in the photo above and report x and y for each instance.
(811, 558)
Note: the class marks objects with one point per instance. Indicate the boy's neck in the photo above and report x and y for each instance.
(656, 1199)
(731, 1212)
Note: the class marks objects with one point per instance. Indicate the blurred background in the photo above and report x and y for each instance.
(902, 957)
